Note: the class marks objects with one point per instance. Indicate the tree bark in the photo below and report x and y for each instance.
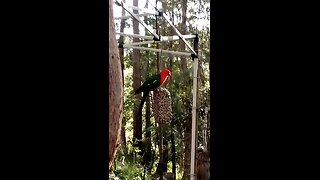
(187, 150)
(183, 32)
(208, 117)
(115, 89)
(173, 148)
(148, 153)
(121, 41)
(137, 125)
(208, 131)
(173, 151)
(148, 147)
(188, 125)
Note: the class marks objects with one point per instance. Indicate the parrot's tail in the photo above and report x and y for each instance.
(143, 100)
(138, 116)
(139, 90)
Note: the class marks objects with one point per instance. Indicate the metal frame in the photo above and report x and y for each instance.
(156, 39)
(126, 7)
(162, 38)
(176, 30)
(158, 50)
(142, 9)
(127, 17)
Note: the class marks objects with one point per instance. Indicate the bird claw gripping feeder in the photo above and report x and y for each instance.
(161, 106)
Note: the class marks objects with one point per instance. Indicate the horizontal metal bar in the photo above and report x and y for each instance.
(175, 37)
(143, 10)
(135, 36)
(162, 38)
(127, 17)
(141, 43)
(158, 50)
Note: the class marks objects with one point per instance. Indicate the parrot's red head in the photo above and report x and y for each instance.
(164, 75)
(166, 72)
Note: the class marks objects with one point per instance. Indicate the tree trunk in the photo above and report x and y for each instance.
(147, 158)
(165, 154)
(183, 32)
(115, 89)
(163, 150)
(173, 148)
(137, 133)
(148, 149)
(187, 150)
(121, 41)
(173, 151)
(208, 117)
(148, 154)
(208, 130)
(188, 125)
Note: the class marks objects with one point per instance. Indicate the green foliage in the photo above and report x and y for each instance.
(130, 170)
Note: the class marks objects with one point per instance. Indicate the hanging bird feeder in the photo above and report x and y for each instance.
(161, 106)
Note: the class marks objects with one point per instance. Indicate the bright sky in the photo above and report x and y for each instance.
(200, 23)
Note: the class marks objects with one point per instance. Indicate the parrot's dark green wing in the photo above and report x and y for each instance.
(151, 83)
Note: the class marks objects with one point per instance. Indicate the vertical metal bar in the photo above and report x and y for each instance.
(194, 111)
(194, 108)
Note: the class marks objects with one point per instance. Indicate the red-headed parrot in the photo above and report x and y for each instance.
(152, 83)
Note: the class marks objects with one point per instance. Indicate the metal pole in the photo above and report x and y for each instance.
(194, 111)
(127, 17)
(163, 38)
(135, 36)
(141, 43)
(175, 37)
(142, 9)
(159, 50)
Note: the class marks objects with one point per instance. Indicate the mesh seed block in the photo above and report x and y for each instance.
(203, 165)
(161, 106)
